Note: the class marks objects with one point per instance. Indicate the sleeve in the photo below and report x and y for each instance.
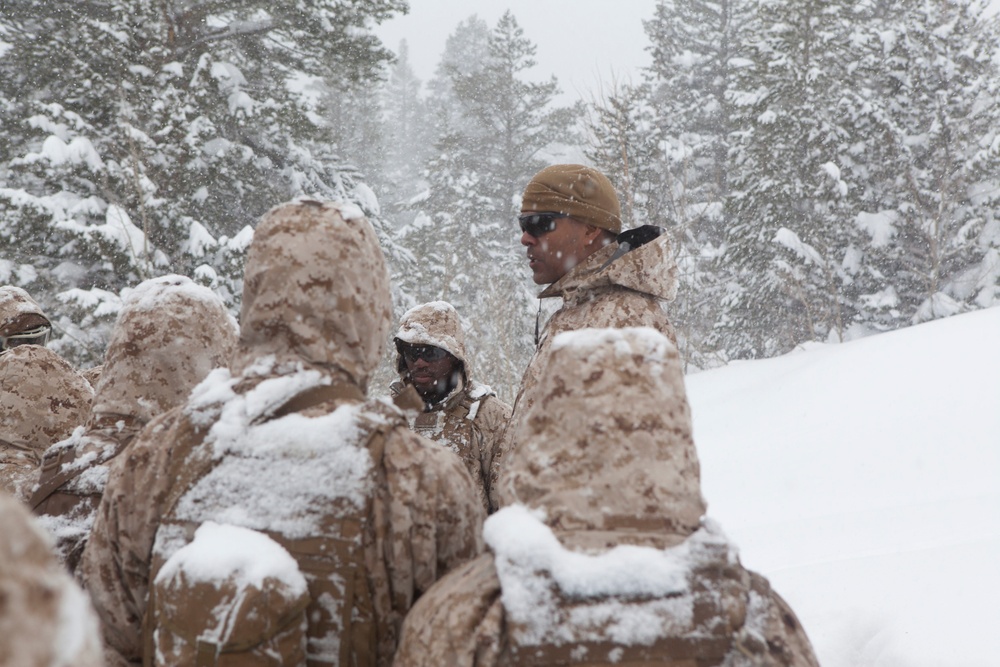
(492, 420)
(458, 622)
(115, 563)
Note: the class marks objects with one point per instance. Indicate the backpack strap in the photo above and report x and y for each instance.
(187, 465)
(54, 474)
(20, 447)
(324, 393)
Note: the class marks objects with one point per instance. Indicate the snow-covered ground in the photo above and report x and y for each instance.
(863, 480)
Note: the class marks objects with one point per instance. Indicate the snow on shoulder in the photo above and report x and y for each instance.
(311, 465)
(629, 594)
(628, 340)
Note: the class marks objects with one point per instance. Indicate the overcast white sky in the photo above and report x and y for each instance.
(584, 43)
(581, 42)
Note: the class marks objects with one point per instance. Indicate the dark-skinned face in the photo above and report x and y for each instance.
(433, 378)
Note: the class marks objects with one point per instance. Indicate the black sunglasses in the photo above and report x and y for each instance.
(428, 353)
(536, 224)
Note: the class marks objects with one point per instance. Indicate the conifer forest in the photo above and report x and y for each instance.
(827, 169)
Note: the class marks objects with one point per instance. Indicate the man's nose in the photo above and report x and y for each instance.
(528, 239)
(420, 362)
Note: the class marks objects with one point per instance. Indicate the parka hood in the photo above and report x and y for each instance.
(648, 269)
(435, 323)
(169, 334)
(18, 311)
(606, 443)
(42, 398)
(315, 292)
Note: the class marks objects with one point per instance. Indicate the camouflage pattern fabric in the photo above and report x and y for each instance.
(42, 399)
(46, 620)
(316, 313)
(630, 292)
(169, 334)
(18, 311)
(610, 418)
(471, 419)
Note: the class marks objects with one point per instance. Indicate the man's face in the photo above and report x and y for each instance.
(552, 254)
(430, 368)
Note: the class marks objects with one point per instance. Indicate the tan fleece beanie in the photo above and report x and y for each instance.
(580, 192)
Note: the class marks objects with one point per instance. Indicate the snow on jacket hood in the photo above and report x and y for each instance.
(435, 323)
(169, 334)
(18, 311)
(606, 444)
(316, 292)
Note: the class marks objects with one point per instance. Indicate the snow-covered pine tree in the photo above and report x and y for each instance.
(789, 234)
(695, 48)
(488, 148)
(142, 138)
(409, 137)
(930, 194)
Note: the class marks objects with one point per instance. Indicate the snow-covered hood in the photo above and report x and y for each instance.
(648, 269)
(435, 323)
(18, 311)
(316, 292)
(606, 443)
(169, 334)
(42, 399)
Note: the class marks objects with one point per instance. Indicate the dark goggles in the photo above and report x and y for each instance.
(536, 224)
(428, 353)
(37, 336)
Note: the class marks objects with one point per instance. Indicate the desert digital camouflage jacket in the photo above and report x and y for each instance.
(46, 620)
(631, 291)
(471, 419)
(601, 554)
(169, 334)
(284, 443)
(42, 399)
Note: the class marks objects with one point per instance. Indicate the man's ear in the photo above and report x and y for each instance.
(592, 234)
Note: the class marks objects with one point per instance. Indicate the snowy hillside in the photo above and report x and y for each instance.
(863, 480)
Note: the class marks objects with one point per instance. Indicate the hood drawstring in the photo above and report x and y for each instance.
(538, 317)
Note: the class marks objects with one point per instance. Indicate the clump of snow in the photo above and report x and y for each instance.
(313, 465)
(199, 240)
(350, 211)
(881, 226)
(630, 594)
(55, 151)
(149, 294)
(789, 239)
(367, 198)
(221, 551)
(652, 344)
(241, 241)
(95, 300)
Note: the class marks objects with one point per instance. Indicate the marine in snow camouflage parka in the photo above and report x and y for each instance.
(601, 555)
(286, 444)
(169, 334)
(470, 419)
